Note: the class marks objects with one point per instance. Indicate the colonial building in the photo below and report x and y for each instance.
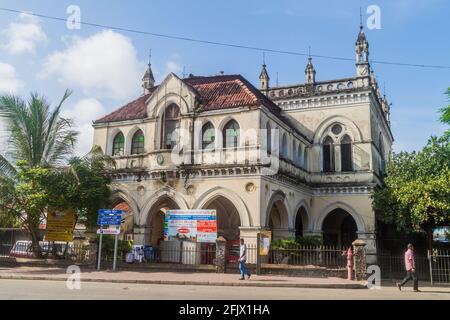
(297, 159)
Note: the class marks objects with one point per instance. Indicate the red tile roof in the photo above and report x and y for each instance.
(214, 92)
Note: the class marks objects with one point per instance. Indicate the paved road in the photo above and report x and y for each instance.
(35, 289)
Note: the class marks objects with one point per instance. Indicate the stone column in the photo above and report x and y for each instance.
(221, 247)
(370, 248)
(359, 256)
(140, 234)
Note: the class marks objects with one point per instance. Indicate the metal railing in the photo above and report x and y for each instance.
(74, 252)
(439, 265)
(183, 253)
(323, 256)
(392, 266)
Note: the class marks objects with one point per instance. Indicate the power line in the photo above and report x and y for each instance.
(216, 43)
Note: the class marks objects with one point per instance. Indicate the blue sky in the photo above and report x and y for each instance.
(104, 68)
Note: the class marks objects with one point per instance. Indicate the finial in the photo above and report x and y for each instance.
(264, 58)
(309, 52)
(277, 79)
(150, 57)
(360, 19)
(184, 71)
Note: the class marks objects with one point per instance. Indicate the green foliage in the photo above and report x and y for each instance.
(123, 247)
(36, 135)
(445, 111)
(299, 241)
(416, 191)
(310, 241)
(41, 172)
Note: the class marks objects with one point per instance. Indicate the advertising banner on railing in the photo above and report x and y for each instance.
(195, 225)
(265, 238)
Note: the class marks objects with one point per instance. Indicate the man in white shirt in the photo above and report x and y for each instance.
(242, 260)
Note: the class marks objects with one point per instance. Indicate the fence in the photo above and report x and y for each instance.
(439, 262)
(294, 254)
(323, 256)
(392, 266)
(183, 253)
(74, 252)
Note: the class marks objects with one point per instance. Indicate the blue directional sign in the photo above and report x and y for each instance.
(109, 217)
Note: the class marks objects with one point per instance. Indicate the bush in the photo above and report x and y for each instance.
(123, 247)
(299, 241)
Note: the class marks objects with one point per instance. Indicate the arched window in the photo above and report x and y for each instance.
(269, 138)
(231, 135)
(328, 155)
(382, 156)
(305, 158)
(118, 144)
(137, 143)
(294, 151)
(171, 121)
(208, 136)
(346, 154)
(284, 147)
(299, 154)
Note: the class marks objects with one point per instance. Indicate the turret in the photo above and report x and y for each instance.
(148, 81)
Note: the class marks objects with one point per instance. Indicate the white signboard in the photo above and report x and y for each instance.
(108, 231)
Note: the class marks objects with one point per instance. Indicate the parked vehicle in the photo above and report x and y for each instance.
(22, 249)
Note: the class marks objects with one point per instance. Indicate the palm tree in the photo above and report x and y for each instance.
(37, 138)
(37, 135)
(445, 111)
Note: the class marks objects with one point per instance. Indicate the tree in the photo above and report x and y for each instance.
(42, 173)
(83, 186)
(445, 111)
(416, 190)
(24, 198)
(39, 140)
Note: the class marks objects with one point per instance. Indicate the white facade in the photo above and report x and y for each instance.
(305, 194)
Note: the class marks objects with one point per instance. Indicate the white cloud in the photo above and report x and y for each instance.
(83, 113)
(104, 65)
(24, 35)
(9, 81)
(172, 66)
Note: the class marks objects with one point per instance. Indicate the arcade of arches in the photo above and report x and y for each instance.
(338, 228)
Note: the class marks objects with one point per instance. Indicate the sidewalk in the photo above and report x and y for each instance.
(178, 278)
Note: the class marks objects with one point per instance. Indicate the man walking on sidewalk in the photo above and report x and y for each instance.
(410, 266)
(242, 260)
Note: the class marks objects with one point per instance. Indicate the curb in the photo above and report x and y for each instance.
(196, 283)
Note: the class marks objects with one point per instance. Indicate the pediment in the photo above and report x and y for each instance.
(171, 90)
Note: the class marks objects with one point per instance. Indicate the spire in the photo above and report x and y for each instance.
(362, 52)
(264, 76)
(310, 72)
(148, 81)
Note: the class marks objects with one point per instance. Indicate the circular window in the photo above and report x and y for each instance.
(340, 86)
(281, 93)
(330, 87)
(319, 88)
(350, 85)
(336, 129)
(290, 92)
